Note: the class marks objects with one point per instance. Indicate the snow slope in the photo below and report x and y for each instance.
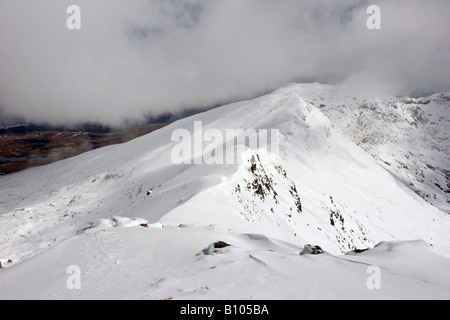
(325, 188)
(408, 137)
(179, 263)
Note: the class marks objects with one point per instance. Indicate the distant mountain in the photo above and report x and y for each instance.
(30, 128)
(353, 182)
(165, 118)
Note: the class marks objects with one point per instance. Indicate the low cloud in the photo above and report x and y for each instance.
(148, 57)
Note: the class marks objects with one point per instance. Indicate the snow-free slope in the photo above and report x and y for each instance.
(322, 188)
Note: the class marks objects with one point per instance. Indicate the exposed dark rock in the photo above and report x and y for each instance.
(310, 249)
(221, 244)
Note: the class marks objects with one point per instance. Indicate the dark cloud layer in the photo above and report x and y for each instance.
(133, 58)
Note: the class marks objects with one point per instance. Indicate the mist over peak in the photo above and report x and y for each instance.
(140, 58)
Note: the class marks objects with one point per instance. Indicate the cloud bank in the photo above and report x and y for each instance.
(148, 57)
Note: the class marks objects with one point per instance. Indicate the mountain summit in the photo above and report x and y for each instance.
(350, 172)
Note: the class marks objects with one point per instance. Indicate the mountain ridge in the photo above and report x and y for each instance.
(322, 188)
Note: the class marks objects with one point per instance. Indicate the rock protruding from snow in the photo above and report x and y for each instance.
(310, 249)
(115, 222)
(215, 248)
(266, 189)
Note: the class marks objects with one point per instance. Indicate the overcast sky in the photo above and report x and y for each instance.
(138, 57)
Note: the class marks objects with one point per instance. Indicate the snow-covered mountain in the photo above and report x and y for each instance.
(351, 172)
(408, 137)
